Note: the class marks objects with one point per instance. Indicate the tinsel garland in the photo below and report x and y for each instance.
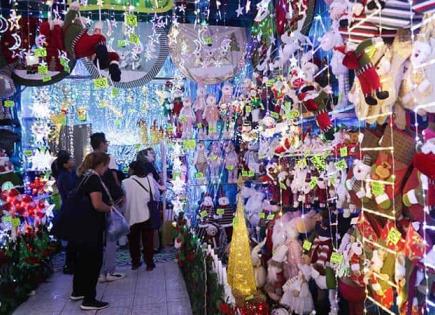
(24, 264)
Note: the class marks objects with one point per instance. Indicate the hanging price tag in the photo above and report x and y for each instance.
(134, 39)
(248, 109)
(377, 188)
(319, 162)
(28, 152)
(170, 128)
(341, 165)
(7, 219)
(176, 175)
(212, 130)
(8, 103)
(101, 83)
(235, 221)
(274, 115)
(199, 175)
(230, 167)
(208, 40)
(293, 114)
(220, 211)
(282, 186)
(336, 258)
(307, 245)
(262, 215)
(302, 163)
(269, 82)
(122, 43)
(131, 20)
(313, 182)
(199, 125)
(16, 222)
(354, 221)
(189, 144)
(203, 214)
(46, 79)
(117, 122)
(42, 69)
(40, 52)
(250, 297)
(343, 151)
(270, 217)
(394, 236)
(332, 180)
(248, 173)
(115, 92)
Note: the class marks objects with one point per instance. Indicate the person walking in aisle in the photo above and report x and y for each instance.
(66, 179)
(90, 246)
(110, 179)
(138, 190)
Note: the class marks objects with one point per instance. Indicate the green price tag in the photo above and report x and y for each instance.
(214, 158)
(341, 165)
(336, 258)
(101, 83)
(28, 152)
(199, 125)
(269, 83)
(235, 221)
(203, 214)
(377, 188)
(248, 109)
(313, 182)
(46, 79)
(117, 122)
(274, 115)
(262, 215)
(199, 175)
(189, 144)
(41, 52)
(251, 173)
(332, 180)
(134, 39)
(16, 222)
(220, 211)
(7, 219)
(270, 217)
(302, 163)
(307, 245)
(212, 130)
(343, 151)
(208, 40)
(230, 167)
(394, 236)
(42, 69)
(131, 20)
(319, 162)
(8, 103)
(176, 175)
(248, 298)
(282, 186)
(122, 43)
(115, 91)
(293, 114)
(170, 128)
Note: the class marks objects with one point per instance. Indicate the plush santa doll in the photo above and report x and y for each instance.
(359, 61)
(80, 44)
(51, 37)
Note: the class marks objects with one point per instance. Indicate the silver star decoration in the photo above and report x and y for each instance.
(175, 21)
(293, 61)
(14, 20)
(181, 8)
(154, 37)
(239, 10)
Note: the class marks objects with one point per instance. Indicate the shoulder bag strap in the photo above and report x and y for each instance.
(104, 186)
(140, 185)
(151, 190)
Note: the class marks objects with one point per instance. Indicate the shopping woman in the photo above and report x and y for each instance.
(94, 200)
(139, 190)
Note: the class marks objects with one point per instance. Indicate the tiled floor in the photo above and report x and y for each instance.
(159, 292)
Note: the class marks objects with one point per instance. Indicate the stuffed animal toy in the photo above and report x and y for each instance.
(231, 162)
(199, 105)
(297, 296)
(80, 44)
(360, 62)
(259, 270)
(207, 228)
(51, 38)
(215, 161)
(200, 161)
(187, 118)
(6, 165)
(294, 252)
(211, 115)
(251, 157)
(225, 103)
(279, 311)
(299, 179)
(328, 42)
(224, 216)
(275, 277)
(253, 205)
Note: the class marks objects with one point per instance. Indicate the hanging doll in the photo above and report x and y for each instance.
(215, 161)
(211, 115)
(200, 161)
(224, 216)
(80, 44)
(259, 270)
(199, 106)
(225, 103)
(187, 118)
(231, 162)
(294, 252)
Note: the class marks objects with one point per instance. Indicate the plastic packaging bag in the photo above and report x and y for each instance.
(117, 225)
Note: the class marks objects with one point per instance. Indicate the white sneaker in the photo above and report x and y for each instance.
(115, 276)
(102, 278)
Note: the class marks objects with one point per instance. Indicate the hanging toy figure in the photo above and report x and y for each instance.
(80, 44)
(359, 61)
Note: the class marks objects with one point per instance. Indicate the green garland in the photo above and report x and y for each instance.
(24, 264)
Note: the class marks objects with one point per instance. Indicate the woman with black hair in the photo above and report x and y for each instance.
(66, 179)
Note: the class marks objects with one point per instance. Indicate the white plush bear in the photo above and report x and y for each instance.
(259, 270)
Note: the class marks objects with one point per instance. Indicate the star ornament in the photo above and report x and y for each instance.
(14, 21)
(239, 10)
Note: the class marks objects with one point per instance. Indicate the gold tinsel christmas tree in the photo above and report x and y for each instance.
(241, 276)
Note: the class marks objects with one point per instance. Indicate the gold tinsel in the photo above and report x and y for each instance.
(241, 276)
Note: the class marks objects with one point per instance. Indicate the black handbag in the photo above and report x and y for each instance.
(153, 207)
(78, 221)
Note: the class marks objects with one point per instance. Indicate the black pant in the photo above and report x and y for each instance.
(141, 231)
(70, 255)
(89, 259)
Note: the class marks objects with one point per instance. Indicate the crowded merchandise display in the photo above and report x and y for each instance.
(283, 150)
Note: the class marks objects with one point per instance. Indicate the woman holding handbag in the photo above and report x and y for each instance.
(89, 204)
(140, 211)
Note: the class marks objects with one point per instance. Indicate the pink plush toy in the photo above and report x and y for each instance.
(225, 103)
(200, 161)
(199, 105)
(231, 162)
(187, 118)
(211, 115)
(215, 161)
